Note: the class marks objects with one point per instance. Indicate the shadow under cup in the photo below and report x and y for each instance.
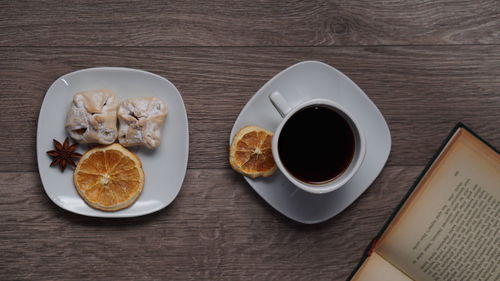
(320, 146)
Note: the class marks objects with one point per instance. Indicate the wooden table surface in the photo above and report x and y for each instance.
(425, 64)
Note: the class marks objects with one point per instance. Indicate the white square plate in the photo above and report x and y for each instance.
(164, 167)
(299, 83)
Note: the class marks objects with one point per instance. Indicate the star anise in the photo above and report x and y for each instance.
(63, 154)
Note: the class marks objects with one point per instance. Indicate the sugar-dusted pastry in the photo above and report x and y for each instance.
(141, 121)
(92, 117)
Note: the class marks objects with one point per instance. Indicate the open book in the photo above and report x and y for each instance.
(448, 226)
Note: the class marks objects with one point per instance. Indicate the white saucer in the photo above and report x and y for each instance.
(298, 83)
(164, 167)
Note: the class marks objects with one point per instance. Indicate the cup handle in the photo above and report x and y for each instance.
(280, 103)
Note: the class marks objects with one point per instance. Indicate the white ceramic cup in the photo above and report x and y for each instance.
(286, 112)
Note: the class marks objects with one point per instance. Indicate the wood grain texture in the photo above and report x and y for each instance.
(217, 229)
(425, 64)
(422, 91)
(248, 23)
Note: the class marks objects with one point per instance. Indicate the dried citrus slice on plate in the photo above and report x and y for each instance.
(251, 154)
(109, 178)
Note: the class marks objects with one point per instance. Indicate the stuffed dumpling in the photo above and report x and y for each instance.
(141, 121)
(92, 117)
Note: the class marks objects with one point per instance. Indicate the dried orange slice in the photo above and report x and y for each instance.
(109, 178)
(250, 153)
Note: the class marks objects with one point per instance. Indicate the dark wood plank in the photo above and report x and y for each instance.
(248, 23)
(217, 229)
(422, 91)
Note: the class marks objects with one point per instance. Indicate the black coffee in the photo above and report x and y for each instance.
(316, 145)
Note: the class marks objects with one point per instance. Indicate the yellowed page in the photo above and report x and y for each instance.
(449, 229)
(375, 268)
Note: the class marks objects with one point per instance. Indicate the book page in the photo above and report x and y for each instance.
(375, 268)
(449, 229)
